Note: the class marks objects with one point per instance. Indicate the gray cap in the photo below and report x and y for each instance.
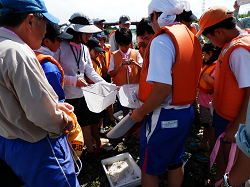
(98, 20)
(124, 19)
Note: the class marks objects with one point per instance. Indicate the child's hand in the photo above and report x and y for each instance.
(136, 116)
(208, 78)
(134, 62)
(125, 62)
(81, 82)
(230, 133)
(101, 56)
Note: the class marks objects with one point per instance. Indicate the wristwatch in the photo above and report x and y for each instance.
(226, 182)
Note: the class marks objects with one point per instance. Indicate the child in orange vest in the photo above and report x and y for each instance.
(232, 79)
(125, 63)
(206, 88)
(106, 57)
(94, 50)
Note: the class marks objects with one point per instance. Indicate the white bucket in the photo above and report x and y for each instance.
(99, 96)
(243, 2)
(128, 96)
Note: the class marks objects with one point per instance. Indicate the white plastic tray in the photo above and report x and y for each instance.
(122, 156)
(99, 96)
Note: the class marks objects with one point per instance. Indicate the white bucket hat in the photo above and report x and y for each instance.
(80, 22)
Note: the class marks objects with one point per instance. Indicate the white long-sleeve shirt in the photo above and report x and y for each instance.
(66, 58)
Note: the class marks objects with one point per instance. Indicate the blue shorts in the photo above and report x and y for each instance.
(220, 125)
(45, 163)
(163, 137)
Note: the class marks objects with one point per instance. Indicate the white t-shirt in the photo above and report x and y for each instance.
(239, 63)
(112, 63)
(113, 43)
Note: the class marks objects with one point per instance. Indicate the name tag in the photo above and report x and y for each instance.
(169, 124)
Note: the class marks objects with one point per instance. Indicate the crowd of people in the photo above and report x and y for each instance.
(44, 68)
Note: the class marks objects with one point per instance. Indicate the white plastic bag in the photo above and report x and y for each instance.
(99, 96)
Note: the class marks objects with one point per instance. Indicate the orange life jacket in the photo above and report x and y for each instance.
(107, 55)
(203, 85)
(111, 33)
(228, 98)
(96, 65)
(42, 57)
(142, 51)
(121, 77)
(186, 70)
(193, 29)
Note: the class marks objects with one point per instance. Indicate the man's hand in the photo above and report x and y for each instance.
(66, 107)
(71, 124)
(81, 82)
(236, 6)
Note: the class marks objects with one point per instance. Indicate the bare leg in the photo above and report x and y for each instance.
(240, 171)
(222, 160)
(125, 112)
(95, 133)
(138, 133)
(175, 177)
(101, 123)
(211, 139)
(149, 180)
(88, 138)
(111, 112)
(205, 137)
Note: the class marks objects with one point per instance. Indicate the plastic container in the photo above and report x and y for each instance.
(121, 128)
(99, 96)
(243, 2)
(131, 163)
(128, 96)
(118, 115)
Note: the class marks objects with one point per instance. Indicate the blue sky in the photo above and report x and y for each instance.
(111, 10)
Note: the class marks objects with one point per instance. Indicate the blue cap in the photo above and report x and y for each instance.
(99, 35)
(23, 6)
